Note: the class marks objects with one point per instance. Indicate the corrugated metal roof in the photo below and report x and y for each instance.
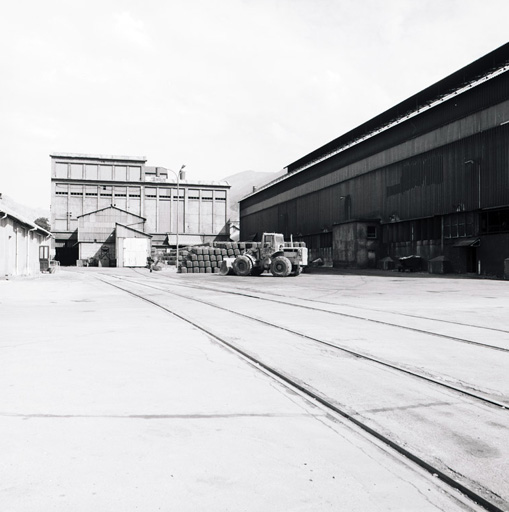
(4, 209)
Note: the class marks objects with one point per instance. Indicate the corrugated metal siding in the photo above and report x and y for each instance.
(444, 136)
(441, 181)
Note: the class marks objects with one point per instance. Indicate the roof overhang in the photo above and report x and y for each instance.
(468, 242)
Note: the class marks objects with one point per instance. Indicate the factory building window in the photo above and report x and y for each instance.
(496, 221)
(151, 192)
(371, 232)
(105, 172)
(76, 171)
(61, 190)
(193, 195)
(60, 170)
(120, 173)
(134, 173)
(91, 172)
(220, 195)
(134, 192)
(206, 195)
(165, 194)
(412, 231)
(459, 225)
(181, 194)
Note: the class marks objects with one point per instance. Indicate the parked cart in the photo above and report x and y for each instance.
(410, 264)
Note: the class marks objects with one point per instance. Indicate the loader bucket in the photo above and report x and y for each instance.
(227, 267)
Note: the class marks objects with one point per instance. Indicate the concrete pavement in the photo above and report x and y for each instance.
(108, 403)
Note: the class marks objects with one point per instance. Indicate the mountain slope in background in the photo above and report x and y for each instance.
(242, 184)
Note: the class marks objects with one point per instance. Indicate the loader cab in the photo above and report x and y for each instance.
(275, 241)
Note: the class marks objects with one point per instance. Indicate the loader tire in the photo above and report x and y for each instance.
(281, 266)
(242, 265)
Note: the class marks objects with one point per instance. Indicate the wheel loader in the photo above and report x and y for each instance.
(271, 254)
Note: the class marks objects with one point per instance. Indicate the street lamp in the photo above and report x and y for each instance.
(177, 176)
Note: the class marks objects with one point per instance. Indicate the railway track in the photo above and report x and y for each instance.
(336, 346)
(289, 300)
(482, 496)
(459, 382)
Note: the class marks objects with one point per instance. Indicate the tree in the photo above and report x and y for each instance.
(43, 222)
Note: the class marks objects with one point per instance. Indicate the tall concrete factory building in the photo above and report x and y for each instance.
(97, 201)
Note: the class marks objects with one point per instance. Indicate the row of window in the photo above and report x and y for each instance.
(413, 230)
(456, 225)
(459, 225)
(150, 193)
(97, 172)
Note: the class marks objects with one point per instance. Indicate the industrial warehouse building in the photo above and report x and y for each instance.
(22, 244)
(427, 178)
(91, 195)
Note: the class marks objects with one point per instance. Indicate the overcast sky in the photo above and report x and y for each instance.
(222, 86)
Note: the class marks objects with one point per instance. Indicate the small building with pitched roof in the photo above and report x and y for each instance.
(112, 237)
(21, 241)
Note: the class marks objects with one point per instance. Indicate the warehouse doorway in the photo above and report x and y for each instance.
(135, 251)
(471, 260)
(468, 254)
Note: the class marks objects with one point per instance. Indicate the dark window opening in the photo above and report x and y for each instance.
(459, 225)
(371, 232)
(495, 221)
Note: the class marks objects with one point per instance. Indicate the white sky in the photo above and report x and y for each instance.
(222, 86)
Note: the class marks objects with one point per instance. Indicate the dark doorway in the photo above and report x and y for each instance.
(67, 256)
(471, 260)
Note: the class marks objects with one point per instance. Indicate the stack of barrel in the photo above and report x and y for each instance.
(206, 259)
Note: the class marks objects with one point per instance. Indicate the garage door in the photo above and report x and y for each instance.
(135, 252)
